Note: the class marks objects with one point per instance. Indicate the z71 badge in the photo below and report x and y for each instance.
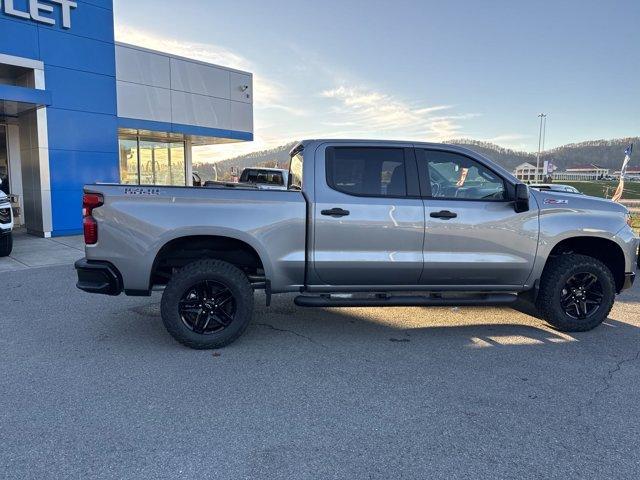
(141, 191)
(555, 201)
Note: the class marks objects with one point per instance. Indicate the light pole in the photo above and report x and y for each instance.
(542, 118)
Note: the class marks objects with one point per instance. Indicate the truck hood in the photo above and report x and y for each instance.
(548, 200)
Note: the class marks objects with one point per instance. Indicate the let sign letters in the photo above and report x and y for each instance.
(39, 10)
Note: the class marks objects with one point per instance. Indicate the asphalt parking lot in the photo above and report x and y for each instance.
(93, 387)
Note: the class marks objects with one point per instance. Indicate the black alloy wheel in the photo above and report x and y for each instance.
(207, 304)
(576, 292)
(582, 296)
(207, 307)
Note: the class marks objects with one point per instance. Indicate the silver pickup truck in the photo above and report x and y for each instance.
(362, 223)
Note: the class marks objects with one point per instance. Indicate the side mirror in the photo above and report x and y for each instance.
(521, 198)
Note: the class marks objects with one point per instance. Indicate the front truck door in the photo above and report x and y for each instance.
(368, 216)
(473, 236)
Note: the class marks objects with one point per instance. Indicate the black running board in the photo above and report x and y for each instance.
(406, 301)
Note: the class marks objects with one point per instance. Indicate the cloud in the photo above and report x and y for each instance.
(374, 112)
(197, 51)
(508, 137)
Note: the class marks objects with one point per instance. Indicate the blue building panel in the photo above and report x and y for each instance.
(88, 21)
(82, 131)
(18, 38)
(73, 170)
(67, 213)
(107, 4)
(61, 49)
(91, 92)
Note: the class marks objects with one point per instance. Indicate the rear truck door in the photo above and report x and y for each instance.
(474, 237)
(368, 216)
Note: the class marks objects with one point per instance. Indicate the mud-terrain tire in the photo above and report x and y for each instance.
(207, 304)
(6, 245)
(570, 288)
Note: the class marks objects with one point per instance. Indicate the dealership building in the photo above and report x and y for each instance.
(76, 107)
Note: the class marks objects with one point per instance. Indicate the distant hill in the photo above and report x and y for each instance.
(606, 153)
(505, 157)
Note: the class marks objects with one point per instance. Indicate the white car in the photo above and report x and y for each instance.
(555, 187)
(6, 226)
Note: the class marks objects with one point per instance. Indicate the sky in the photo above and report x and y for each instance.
(412, 69)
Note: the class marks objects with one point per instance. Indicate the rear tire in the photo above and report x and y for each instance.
(577, 293)
(6, 245)
(207, 304)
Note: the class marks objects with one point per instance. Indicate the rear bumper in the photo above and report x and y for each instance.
(98, 277)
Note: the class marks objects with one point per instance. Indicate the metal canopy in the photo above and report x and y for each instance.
(15, 101)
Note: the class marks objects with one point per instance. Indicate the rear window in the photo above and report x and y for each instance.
(263, 177)
(378, 172)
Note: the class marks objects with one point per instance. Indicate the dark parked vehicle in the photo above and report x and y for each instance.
(266, 178)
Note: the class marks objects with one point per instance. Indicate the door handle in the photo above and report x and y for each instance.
(335, 212)
(444, 214)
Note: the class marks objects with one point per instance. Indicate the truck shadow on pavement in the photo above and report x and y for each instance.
(284, 325)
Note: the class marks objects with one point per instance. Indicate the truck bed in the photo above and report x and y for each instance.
(135, 222)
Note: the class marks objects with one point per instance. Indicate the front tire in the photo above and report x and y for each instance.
(6, 245)
(576, 293)
(207, 304)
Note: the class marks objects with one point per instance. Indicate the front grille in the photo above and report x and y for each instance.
(5, 215)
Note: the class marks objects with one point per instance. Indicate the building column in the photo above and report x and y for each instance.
(36, 184)
(188, 160)
(15, 167)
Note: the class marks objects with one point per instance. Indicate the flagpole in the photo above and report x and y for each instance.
(617, 196)
(541, 116)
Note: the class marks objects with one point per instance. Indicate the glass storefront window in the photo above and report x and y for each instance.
(161, 166)
(148, 162)
(178, 166)
(129, 162)
(148, 153)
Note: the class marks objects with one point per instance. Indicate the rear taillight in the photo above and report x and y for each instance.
(90, 201)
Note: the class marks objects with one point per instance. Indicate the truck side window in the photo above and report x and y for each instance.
(366, 171)
(455, 176)
(295, 172)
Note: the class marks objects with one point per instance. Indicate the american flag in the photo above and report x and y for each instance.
(623, 171)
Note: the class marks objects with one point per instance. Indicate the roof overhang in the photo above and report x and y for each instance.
(17, 100)
(197, 135)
